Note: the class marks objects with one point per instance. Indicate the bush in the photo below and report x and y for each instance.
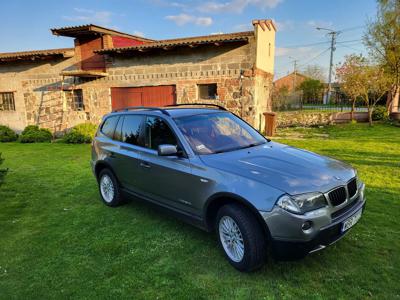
(34, 134)
(81, 133)
(3, 172)
(7, 134)
(380, 113)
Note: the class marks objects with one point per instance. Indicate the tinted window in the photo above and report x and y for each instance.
(108, 127)
(118, 130)
(132, 130)
(158, 133)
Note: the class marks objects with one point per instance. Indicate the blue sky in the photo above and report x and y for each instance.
(26, 24)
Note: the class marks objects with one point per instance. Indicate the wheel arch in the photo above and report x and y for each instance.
(216, 201)
(101, 165)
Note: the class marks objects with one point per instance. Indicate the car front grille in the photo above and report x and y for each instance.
(343, 210)
(352, 187)
(337, 196)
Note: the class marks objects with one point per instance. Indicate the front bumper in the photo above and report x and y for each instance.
(290, 241)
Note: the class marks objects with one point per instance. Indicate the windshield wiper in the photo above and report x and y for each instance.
(239, 148)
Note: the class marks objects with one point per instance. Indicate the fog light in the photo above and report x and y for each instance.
(306, 225)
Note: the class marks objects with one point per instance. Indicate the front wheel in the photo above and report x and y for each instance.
(241, 237)
(109, 188)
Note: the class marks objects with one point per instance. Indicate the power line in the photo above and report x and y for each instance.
(350, 41)
(351, 48)
(305, 45)
(315, 57)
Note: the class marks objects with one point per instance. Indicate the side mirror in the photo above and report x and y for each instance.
(167, 150)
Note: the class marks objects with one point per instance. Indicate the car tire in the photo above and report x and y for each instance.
(240, 237)
(109, 188)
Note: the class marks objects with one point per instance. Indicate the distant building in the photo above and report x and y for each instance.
(107, 69)
(292, 81)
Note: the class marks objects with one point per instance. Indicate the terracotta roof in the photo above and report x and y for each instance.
(91, 29)
(31, 55)
(189, 41)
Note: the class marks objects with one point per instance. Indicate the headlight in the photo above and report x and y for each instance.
(299, 204)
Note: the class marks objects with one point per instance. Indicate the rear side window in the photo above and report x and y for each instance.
(108, 127)
(132, 130)
(158, 133)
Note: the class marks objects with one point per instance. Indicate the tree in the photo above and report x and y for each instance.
(377, 84)
(315, 72)
(360, 78)
(348, 75)
(311, 89)
(383, 40)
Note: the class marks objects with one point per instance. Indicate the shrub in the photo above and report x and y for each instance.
(81, 133)
(379, 113)
(34, 134)
(3, 172)
(7, 134)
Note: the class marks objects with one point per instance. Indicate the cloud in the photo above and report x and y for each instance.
(138, 33)
(243, 27)
(236, 6)
(284, 25)
(296, 52)
(90, 16)
(183, 19)
(315, 24)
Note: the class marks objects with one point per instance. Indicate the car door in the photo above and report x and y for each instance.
(166, 179)
(129, 134)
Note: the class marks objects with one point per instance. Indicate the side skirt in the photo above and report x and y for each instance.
(184, 216)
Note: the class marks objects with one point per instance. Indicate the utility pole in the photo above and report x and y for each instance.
(294, 72)
(333, 34)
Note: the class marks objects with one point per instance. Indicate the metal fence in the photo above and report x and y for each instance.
(295, 101)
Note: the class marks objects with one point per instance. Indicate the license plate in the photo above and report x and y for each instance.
(350, 222)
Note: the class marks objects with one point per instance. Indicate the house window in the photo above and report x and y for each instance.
(208, 91)
(77, 100)
(7, 101)
(269, 49)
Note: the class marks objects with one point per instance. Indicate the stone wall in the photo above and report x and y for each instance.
(296, 118)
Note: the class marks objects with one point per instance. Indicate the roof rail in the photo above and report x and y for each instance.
(143, 108)
(198, 104)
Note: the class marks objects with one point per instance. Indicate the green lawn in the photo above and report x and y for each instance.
(57, 240)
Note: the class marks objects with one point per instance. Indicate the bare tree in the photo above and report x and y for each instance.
(315, 72)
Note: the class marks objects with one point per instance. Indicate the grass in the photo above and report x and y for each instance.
(57, 240)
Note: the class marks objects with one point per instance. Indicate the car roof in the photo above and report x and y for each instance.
(174, 112)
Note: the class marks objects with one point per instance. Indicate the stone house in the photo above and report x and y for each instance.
(107, 70)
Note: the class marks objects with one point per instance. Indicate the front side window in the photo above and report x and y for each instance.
(109, 125)
(7, 101)
(218, 132)
(207, 91)
(132, 130)
(158, 133)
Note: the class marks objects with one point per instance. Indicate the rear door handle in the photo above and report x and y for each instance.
(144, 164)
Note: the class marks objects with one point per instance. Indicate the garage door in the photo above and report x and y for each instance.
(143, 96)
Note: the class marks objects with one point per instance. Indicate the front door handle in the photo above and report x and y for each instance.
(145, 165)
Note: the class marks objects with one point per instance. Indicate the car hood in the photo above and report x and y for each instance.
(291, 170)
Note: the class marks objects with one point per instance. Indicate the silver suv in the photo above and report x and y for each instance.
(213, 169)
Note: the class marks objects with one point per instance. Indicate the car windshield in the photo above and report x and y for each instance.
(218, 132)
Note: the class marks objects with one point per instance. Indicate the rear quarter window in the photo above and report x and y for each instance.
(108, 127)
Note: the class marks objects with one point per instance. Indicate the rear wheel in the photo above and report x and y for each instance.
(109, 188)
(241, 237)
